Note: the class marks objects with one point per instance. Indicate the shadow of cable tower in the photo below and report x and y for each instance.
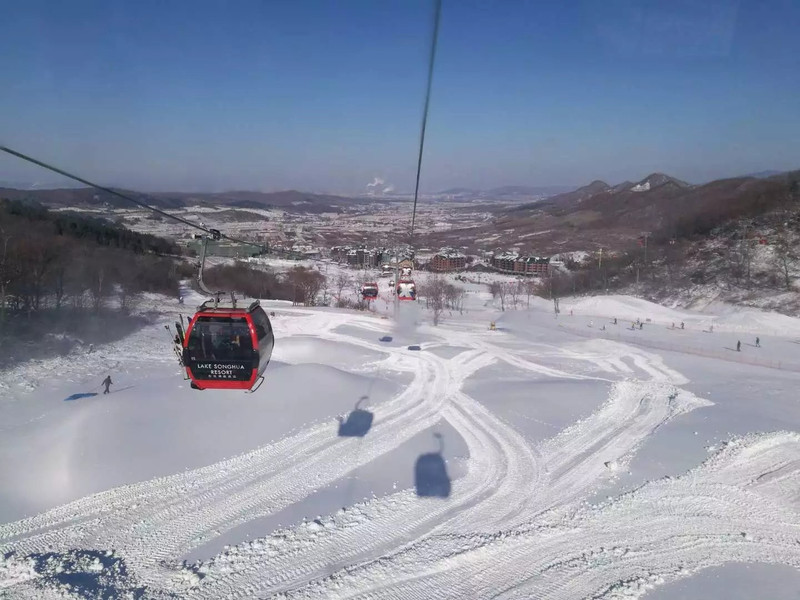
(430, 473)
(358, 422)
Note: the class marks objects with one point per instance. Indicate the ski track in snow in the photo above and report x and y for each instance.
(519, 509)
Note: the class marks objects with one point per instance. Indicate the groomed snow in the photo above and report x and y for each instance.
(580, 459)
(723, 317)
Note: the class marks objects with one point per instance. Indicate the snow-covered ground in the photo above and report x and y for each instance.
(556, 457)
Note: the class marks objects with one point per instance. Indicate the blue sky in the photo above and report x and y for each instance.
(325, 96)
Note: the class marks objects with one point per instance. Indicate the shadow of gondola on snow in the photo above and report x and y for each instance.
(358, 422)
(430, 473)
(80, 395)
(386, 338)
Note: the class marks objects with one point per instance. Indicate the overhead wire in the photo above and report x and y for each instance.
(431, 63)
(113, 192)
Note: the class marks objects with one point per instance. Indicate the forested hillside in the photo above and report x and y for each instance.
(62, 274)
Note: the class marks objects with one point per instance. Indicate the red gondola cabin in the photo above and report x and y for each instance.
(227, 347)
(369, 290)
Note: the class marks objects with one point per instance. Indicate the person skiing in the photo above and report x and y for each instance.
(758, 342)
(681, 324)
(107, 382)
(738, 346)
(641, 324)
(615, 320)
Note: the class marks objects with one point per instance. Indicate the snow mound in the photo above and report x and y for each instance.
(735, 318)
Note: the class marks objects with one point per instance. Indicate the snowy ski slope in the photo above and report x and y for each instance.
(580, 463)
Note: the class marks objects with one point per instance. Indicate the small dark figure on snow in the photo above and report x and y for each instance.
(758, 342)
(641, 324)
(107, 382)
(681, 324)
(180, 299)
(739, 346)
(615, 320)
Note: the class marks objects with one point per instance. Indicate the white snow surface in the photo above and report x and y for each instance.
(583, 459)
(723, 317)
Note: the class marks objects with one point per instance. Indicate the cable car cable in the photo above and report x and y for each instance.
(214, 233)
(431, 63)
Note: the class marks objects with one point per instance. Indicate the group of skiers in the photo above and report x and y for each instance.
(639, 324)
(739, 344)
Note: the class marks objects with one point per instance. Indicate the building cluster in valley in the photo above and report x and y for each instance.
(445, 260)
(524, 264)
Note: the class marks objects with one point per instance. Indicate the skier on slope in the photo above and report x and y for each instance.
(739, 346)
(758, 342)
(107, 382)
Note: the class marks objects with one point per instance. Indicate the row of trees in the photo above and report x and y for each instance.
(511, 293)
(299, 284)
(42, 267)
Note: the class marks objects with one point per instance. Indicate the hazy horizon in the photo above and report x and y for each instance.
(320, 98)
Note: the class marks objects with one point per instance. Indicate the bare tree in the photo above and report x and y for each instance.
(42, 254)
(99, 286)
(9, 271)
(306, 284)
(435, 290)
(454, 297)
(515, 289)
(499, 289)
(341, 281)
(746, 253)
(531, 287)
(785, 257)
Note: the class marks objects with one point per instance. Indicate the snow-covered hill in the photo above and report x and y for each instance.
(565, 457)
